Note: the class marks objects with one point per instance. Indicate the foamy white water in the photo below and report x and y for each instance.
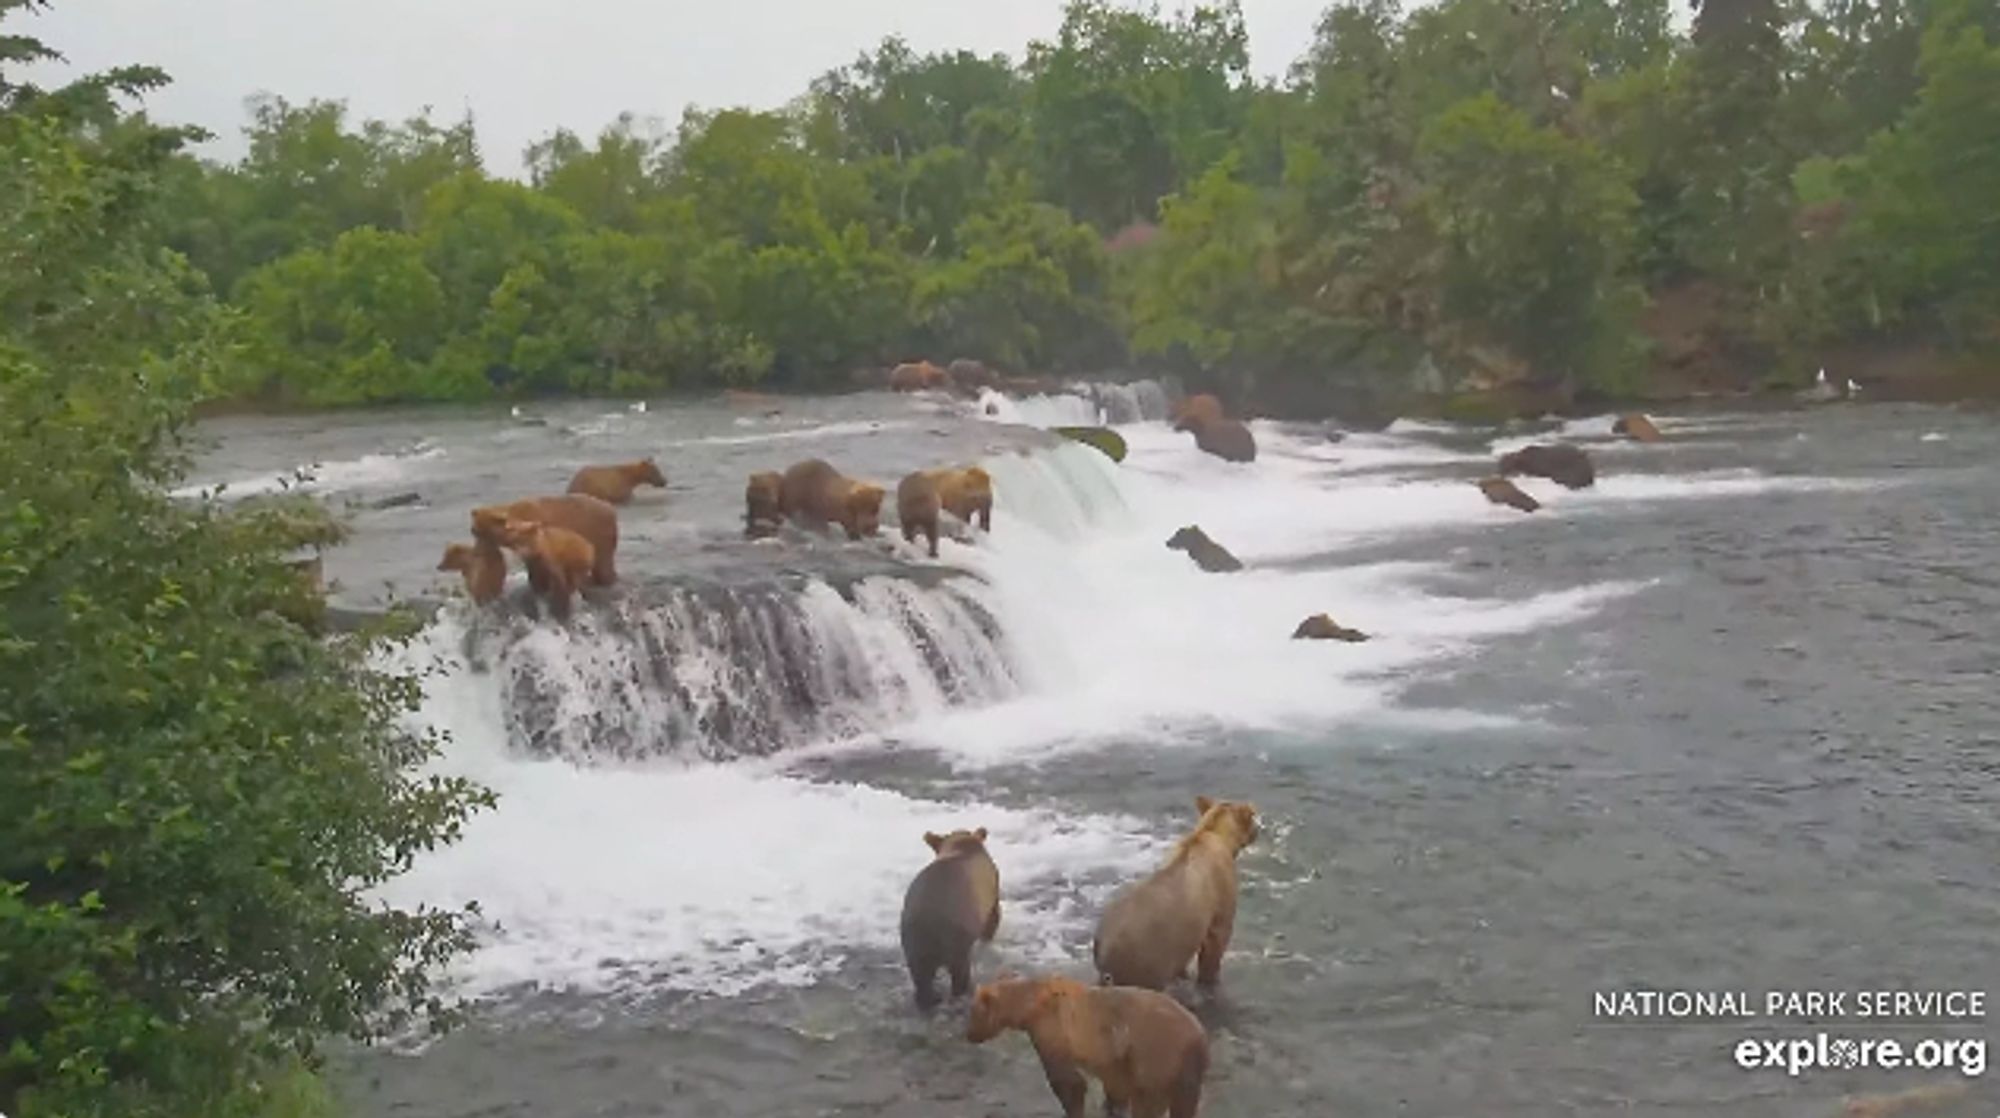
(333, 476)
(716, 877)
(712, 878)
(1041, 411)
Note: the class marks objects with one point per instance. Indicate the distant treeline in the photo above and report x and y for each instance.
(1566, 194)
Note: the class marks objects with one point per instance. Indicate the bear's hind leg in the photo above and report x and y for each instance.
(961, 973)
(923, 977)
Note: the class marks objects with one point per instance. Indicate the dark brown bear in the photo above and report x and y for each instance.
(1566, 465)
(1207, 554)
(1227, 439)
(953, 904)
(1500, 491)
(764, 504)
(1320, 627)
(815, 495)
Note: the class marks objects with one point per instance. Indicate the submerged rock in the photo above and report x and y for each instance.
(1100, 438)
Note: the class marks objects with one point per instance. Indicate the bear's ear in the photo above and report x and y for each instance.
(980, 834)
(1202, 804)
(935, 840)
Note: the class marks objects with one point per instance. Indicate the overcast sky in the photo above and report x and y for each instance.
(525, 67)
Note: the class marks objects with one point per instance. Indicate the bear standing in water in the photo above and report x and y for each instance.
(484, 566)
(596, 521)
(1566, 465)
(1150, 930)
(614, 484)
(953, 903)
(559, 561)
(815, 494)
(763, 504)
(917, 508)
(1150, 1053)
(966, 494)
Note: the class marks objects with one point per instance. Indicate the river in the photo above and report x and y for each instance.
(1726, 721)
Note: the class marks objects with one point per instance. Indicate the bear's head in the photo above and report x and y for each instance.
(520, 533)
(1008, 1002)
(648, 471)
(864, 509)
(765, 491)
(978, 481)
(957, 842)
(1235, 822)
(1187, 539)
(1196, 412)
(489, 522)
(457, 557)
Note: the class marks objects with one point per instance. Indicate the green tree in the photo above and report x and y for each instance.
(1030, 290)
(356, 323)
(1536, 229)
(201, 793)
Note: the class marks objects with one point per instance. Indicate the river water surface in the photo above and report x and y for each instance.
(1727, 721)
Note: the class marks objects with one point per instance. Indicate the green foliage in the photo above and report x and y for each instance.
(200, 793)
(1923, 229)
(1536, 230)
(1461, 192)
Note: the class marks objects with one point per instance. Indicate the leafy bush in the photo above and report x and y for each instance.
(200, 793)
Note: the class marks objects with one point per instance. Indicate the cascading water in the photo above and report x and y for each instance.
(714, 673)
(1083, 404)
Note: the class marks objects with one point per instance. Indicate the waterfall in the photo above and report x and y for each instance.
(712, 673)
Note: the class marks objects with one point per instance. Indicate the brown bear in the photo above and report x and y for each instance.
(1185, 910)
(1206, 553)
(1227, 439)
(483, 564)
(1147, 1050)
(1500, 491)
(815, 494)
(917, 506)
(1195, 411)
(562, 560)
(966, 494)
(614, 484)
(918, 376)
(764, 504)
(1566, 465)
(1320, 627)
(1637, 427)
(952, 904)
(596, 521)
(968, 375)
